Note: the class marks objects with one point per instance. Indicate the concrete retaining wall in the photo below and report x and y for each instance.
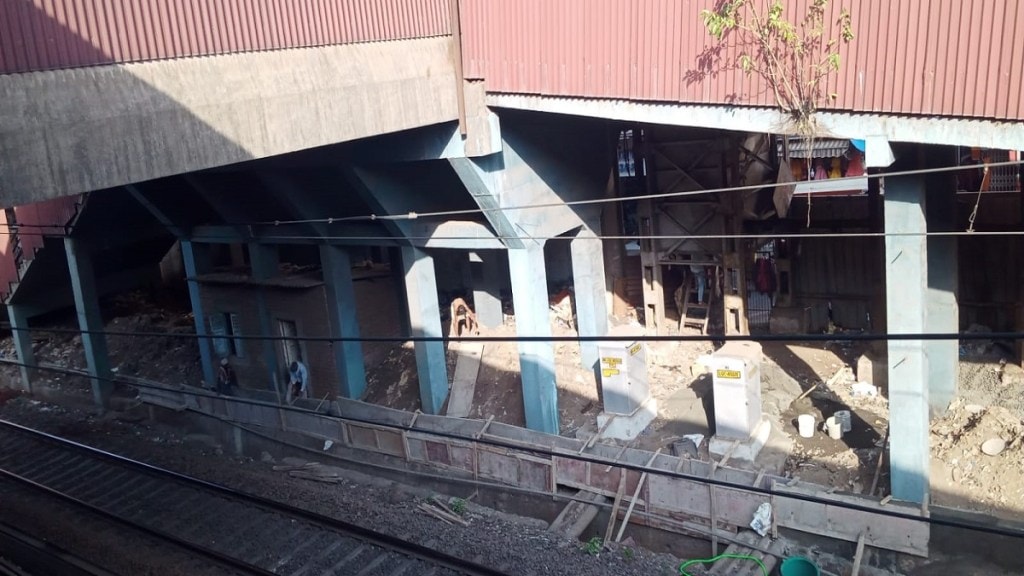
(451, 445)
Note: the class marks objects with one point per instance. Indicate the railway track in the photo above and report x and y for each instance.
(246, 533)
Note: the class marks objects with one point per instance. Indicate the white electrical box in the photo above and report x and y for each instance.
(736, 380)
(623, 366)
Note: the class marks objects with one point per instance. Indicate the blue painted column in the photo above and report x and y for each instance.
(398, 277)
(197, 262)
(536, 359)
(943, 311)
(906, 273)
(90, 320)
(425, 321)
(341, 305)
(265, 265)
(486, 287)
(589, 283)
(22, 344)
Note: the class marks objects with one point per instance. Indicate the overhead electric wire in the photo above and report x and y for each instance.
(501, 443)
(652, 196)
(850, 337)
(618, 199)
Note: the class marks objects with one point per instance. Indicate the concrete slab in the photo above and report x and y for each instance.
(622, 427)
(467, 367)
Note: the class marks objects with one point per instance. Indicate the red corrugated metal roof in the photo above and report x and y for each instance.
(961, 58)
(50, 34)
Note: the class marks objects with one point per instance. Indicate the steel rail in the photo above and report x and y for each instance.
(365, 535)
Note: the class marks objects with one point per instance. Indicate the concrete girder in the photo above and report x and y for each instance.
(78, 130)
(90, 320)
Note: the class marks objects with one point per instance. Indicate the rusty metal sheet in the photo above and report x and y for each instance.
(40, 35)
(965, 62)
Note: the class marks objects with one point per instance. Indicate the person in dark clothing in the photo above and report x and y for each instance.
(226, 379)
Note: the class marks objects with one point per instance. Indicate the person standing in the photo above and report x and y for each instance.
(298, 381)
(226, 378)
(701, 280)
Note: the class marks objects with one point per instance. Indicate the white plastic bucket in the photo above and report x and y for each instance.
(834, 427)
(845, 420)
(805, 424)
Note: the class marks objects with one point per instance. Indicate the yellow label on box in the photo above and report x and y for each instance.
(636, 348)
(734, 374)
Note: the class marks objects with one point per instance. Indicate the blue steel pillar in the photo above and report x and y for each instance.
(265, 265)
(341, 305)
(197, 261)
(906, 273)
(486, 291)
(425, 321)
(589, 282)
(536, 359)
(22, 343)
(90, 320)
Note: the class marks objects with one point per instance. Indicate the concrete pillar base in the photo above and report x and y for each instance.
(628, 427)
(745, 449)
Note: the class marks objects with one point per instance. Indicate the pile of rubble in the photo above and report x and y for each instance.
(982, 448)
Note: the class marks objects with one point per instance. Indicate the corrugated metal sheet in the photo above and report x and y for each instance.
(50, 34)
(947, 57)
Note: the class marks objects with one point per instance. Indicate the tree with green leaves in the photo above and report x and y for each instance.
(794, 57)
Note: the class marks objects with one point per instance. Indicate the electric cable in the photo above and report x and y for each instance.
(653, 196)
(548, 452)
(852, 337)
(688, 563)
(617, 199)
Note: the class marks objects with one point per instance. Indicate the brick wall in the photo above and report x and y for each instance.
(306, 307)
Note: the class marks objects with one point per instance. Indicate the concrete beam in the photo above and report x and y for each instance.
(1001, 135)
(906, 273)
(485, 266)
(70, 131)
(482, 179)
(439, 142)
(157, 213)
(90, 320)
(425, 321)
(536, 359)
(383, 200)
(197, 262)
(455, 234)
(591, 304)
(347, 235)
(22, 344)
(341, 306)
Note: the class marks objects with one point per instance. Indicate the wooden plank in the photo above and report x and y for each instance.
(615, 509)
(898, 534)
(636, 494)
(467, 367)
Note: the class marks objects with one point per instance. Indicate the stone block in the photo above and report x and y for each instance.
(872, 369)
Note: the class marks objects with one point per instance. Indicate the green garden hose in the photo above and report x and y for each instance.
(683, 572)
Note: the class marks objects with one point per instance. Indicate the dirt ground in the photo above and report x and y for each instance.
(990, 406)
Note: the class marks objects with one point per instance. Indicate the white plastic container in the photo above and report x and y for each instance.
(834, 427)
(805, 424)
